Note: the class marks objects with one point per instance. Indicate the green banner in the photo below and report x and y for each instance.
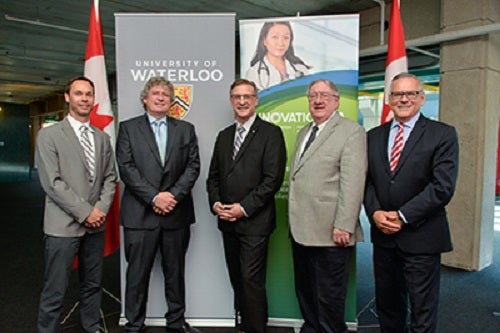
(311, 48)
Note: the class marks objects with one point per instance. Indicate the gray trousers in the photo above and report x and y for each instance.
(59, 253)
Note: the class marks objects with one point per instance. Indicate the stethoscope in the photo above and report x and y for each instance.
(267, 74)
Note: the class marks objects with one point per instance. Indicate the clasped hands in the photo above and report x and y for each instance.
(164, 203)
(95, 219)
(387, 221)
(228, 212)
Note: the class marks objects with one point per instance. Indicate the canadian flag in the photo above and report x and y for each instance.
(102, 115)
(396, 57)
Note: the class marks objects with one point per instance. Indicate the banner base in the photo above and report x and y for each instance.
(229, 322)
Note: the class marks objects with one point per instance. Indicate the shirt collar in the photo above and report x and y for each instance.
(153, 119)
(75, 124)
(409, 124)
(323, 124)
(247, 124)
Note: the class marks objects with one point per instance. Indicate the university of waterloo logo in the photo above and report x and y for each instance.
(182, 102)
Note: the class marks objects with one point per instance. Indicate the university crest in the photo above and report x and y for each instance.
(182, 102)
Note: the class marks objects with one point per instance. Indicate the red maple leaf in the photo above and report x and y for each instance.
(99, 121)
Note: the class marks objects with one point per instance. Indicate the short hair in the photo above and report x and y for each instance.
(153, 82)
(325, 81)
(67, 88)
(240, 82)
(405, 75)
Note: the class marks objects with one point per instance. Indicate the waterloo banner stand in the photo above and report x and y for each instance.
(196, 53)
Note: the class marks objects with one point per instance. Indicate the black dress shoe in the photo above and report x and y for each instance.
(186, 328)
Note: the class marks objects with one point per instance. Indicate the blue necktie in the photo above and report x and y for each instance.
(161, 138)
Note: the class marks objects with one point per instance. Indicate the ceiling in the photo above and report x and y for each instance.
(42, 42)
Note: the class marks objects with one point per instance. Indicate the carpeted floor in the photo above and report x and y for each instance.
(468, 299)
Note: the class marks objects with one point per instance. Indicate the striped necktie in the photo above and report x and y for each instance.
(238, 140)
(88, 150)
(397, 148)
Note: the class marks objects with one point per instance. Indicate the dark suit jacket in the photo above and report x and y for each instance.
(252, 179)
(144, 176)
(421, 186)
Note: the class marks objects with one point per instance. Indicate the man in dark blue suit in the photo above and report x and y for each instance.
(412, 171)
(159, 163)
(247, 169)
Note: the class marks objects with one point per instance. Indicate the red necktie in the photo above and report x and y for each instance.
(397, 148)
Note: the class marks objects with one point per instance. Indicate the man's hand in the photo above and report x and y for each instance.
(159, 211)
(341, 237)
(229, 212)
(95, 219)
(164, 203)
(388, 222)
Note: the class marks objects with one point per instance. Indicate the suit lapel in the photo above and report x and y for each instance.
(248, 139)
(298, 143)
(172, 137)
(383, 146)
(227, 144)
(70, 134)
(325, 133)
(97, 150)
(145, 128)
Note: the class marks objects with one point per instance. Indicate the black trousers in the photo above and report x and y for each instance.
(141, 247)
(400, 277)
(321, 278)
(246, 258)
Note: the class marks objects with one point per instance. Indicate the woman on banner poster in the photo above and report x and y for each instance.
(274, 60)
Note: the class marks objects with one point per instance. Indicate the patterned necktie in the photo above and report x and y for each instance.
(238, 140)
(160, 137)
(310, 139)
(88, 150)
(397, 148)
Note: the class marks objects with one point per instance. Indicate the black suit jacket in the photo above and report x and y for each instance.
(421, 186)
(144, 176)
(251, 179)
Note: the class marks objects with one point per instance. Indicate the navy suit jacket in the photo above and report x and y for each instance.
(251, 179)
(144, 175)
(420, 187)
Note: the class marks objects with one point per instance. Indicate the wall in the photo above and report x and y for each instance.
(14, 142)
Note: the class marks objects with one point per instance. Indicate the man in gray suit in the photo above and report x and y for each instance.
(159, 163)
(77, 172)
(327, 178)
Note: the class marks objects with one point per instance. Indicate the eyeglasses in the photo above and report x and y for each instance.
(411, 94)
(239, 97)
(321, 95)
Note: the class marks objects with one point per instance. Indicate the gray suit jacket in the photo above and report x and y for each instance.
(327, 184)
(70, 195)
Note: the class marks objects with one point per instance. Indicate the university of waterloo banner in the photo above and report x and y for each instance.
(196, 52)
(323, 47)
